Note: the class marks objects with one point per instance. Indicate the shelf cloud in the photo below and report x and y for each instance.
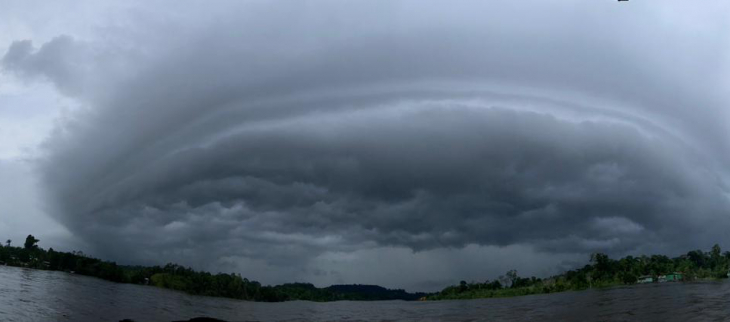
(270, 137)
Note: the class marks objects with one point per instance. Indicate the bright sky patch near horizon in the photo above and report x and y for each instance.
(410, 144)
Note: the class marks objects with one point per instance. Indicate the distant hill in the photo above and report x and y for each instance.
(373, 292)
(354, 292)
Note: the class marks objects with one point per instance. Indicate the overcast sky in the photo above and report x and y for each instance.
(405, 143)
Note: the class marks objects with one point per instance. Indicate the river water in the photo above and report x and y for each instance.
(33, 295)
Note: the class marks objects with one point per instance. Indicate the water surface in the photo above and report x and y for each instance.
(33, 295)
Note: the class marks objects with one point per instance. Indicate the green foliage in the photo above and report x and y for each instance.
(185, 279)
(176, 277)
(602, 272)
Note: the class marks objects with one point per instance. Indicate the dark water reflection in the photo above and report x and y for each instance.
(31, 295)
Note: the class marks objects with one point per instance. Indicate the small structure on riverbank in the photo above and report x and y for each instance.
(671, 277)
(645, 279)
(674, 277)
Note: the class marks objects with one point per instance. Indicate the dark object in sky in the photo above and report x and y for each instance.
(622, 0)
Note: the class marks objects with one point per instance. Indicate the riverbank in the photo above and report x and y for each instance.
(37, 295)
(509, 292)
(185, 279)
(601, 271)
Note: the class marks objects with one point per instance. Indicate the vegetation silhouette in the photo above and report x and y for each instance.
(177, 277)
(601, 271)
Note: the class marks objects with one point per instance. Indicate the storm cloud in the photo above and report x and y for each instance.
(277, 136)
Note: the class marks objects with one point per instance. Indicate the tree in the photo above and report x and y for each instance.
(697, 257)
(512, 277)
(602, 265)
(716, 251)
(7, 243)
(715, 255)
(463, 286)
(30, 242)
(504, 281)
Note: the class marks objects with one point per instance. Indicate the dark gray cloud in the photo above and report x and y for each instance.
(61, 60)
(284, 135)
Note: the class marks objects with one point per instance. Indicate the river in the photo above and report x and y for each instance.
(34, 295)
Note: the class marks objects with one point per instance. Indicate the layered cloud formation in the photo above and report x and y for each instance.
(274, 137)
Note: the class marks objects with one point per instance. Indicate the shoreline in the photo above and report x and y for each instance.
(607, 287)
(199, 295)
(601, 272)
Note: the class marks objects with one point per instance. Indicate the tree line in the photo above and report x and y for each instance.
(177, 277)
(601, 271)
